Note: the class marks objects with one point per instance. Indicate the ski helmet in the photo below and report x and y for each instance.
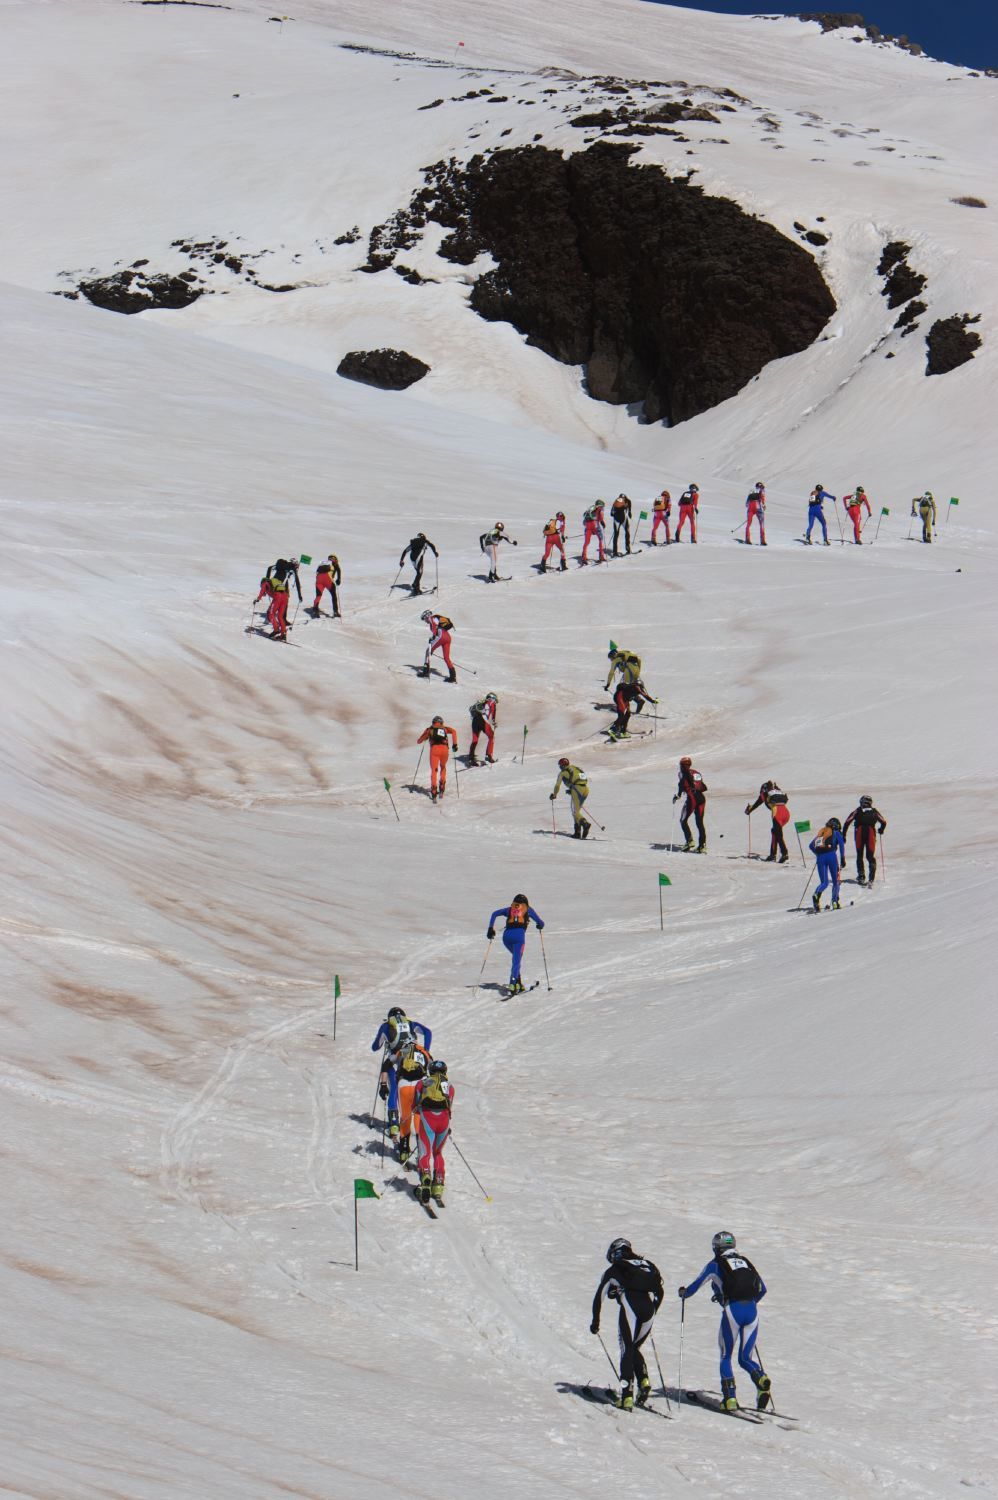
(499, 526)
(397, 1014)
(927, 495)
(420, 536)
(491, 698)
(426, 615)
(860, 489)
(294, 562)
(695, 487)
(619, 1250)
(866, 801)
(685, 761)
(520, 897)
(723, 1240)
(819, 486)
(834, 823)
(759, 485)
(437, 1068)
(437, 719)
(770, 786)
(564, 761)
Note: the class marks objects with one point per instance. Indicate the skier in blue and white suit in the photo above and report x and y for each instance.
(815, 500)
(829, 850)
(394, 1033)
(739, 1288)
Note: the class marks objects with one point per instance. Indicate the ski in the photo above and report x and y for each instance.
(713, 1403)
(265, 635)
(753, 1411)
(602, 1396)
(506, 993)
(426, 1207)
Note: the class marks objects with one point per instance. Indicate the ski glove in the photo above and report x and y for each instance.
(682, 1292)
(540, 926)
(552, 796)
(675, 798)
(491, 934)
(594, 1328)
(382, 1091)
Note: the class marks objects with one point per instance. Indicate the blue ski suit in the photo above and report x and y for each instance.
(815, 512)
(387, 1033)
(739, 1319)
(830, 860)
(514, 936)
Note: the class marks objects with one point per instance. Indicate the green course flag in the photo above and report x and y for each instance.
(804, 827)
(305, 558)
(388, 785)
(361, 1189)
(664, 880)
(336, 1000)
(954, 500)
(613, 645)
(642, 515)
(388, 789)
(336, 987)
(884, 510)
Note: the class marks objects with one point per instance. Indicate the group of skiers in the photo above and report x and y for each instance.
(635, 1284)
(442, 739)
(418, 1098)
(829, 849)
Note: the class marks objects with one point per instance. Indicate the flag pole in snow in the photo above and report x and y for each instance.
(803, 827)
(642, 516)
(663, 880)
(336, 999)
(388, 789)
(523, 747)
(884, 511)
(361, 1189)
(954, 500)
(544, 956)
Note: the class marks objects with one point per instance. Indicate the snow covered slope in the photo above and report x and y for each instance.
(198, 836)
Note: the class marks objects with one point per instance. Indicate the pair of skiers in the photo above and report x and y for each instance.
(436, 734)
(276, 586)
(518, 915)
(775, 802)
(693, 789)
(490, 542)
(925, 506)
(576, 786)
(755, 510)
(635, 1284)
(440, 627)
(416, 554)
(416, 1090)
(631, 694)
(554, 541)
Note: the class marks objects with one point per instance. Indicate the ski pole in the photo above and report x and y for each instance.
(554, 828)
(672, 836)
(910, 525)
(457, 1148)
(457, 777)
(762, 1362)
(606, 1351)
(436, 574)
(523, 747)
(883, 855)
(295, 615)
(682, 1329)
(545, 958)
(377, 1091)
(481, 971)
(800, 904)
(252, 614)
(588, 814)
(412, 784)
(661, 1377)
(459, 667)
(398, 575)
(838, 517)
(750, 835)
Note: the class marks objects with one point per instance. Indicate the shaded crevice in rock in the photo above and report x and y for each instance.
(668, 297)
(950, 342)
(388, 369)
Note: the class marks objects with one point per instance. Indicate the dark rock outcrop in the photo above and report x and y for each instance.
(836, 20)
(950, 343)
(388, 369)
(668, 297)
(901, 283)
(133, 292)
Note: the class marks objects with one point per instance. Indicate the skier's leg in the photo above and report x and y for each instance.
(418, 575)
(747, 1317)
(684, 822)
(701, 830)
(871, 852)
(626, 1323)
(726, 1335)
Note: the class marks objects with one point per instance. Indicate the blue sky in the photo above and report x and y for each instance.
(958, 31)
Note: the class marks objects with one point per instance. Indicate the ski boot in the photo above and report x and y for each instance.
(784, 858)
(688, 847)
(491, 760)
(763, 542)
(808, 542)
(452, 677)
(516, 987)
(433, 795)
(644, 1390)
(770, 859)
(577, 834)
(422, 672)
(871, 879)
(543, 568)
(836, 906)
(437, 1191)
(405, 1150)
(443, 788)
(827, 542)
(625, 1400)
(393, 1124)
(564, 566)
(585, 829)
(816, 901)
(425, 1187)
(729, 1401)
(471, 759)
(763, 1385)
(702, 848)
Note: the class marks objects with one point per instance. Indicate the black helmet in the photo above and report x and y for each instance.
(866, 801)
(397, 1014)
(723, 1240)
(834, 823)
(437, 1068)
(520, 897)
(437, 719)
(619, 1250)
(759, 485)
(614, 653)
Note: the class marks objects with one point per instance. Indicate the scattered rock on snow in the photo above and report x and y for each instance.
(950, 343)
(388, 369)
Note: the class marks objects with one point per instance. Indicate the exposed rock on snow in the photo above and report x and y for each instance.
(668, 297)
(951, 343)
(901, 283)
(133, 292)
(388, 369)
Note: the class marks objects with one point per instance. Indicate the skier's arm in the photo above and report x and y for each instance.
(338, 573)
(535, 918)
(840, 848)
(297, 580)
(882, 824)
(424, 736)
(380, 1039)
(433, 549)
(762, 1288)
(424, 1032)
(710, 1269)
(453, 736)
(757, 803)
(933, 504)
(500, 911)
(407, 553)
(845, 825)
(598, 1299)
(557, 785)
